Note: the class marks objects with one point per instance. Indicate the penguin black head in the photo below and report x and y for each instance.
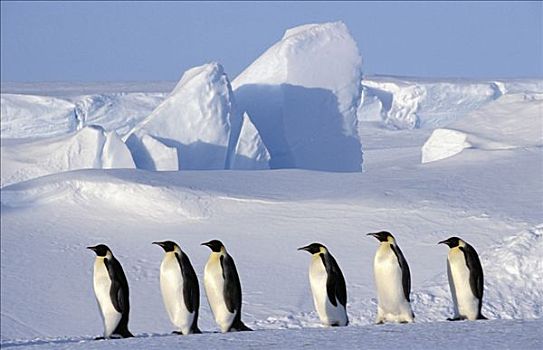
(313, 248)
(168, 246)
(214, 245)
(451, 242)
(382, 236)
(100, 249)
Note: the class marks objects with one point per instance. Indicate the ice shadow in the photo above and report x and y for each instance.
(194, 156)
(301, 127)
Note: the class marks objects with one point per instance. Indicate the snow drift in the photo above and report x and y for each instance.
(302, 95)
(25, 116)
(512, 121)
(406, 103)
(35, 116)
(90, 147)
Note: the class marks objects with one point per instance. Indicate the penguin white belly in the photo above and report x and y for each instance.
(214, 285)
(328, 313)
(466, 304)
(102, 286)
(392, 305)
(171, 286)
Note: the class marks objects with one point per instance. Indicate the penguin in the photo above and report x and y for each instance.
(465, 280)
(223, 288)
(111, 290)
(180, 290)
(327, 286)
(393, 281)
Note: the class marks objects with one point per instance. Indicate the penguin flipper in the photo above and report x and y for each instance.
(119, 286)
(118, 294)
(406, 274)
(232, 285)
(475, 270)
(335, 282)
(191, 290)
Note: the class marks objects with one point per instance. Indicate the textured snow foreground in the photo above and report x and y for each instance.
(439, 335)
(440, 158)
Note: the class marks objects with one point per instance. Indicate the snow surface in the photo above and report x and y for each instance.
(440, 335)
(490, 193)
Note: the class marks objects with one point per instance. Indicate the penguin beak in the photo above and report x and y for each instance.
(92, 248)
(374, 234)
(158, 243)
(443, 242)
(206, 244)
(304, 248)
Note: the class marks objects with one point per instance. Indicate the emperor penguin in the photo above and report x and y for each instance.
(223, 288)
(327, 286)
(465, 280)
(179, 287)
(111, 290)
(393, 281)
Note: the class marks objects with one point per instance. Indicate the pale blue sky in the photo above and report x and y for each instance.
(139, 41)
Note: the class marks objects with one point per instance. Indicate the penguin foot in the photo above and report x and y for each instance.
(99, 338)
(177, 332)
(456, 319)
(239, 327)
(481, 317)
(379, 322)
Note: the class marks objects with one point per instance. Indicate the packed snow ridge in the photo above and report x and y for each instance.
(302, 95)
(195, 120)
